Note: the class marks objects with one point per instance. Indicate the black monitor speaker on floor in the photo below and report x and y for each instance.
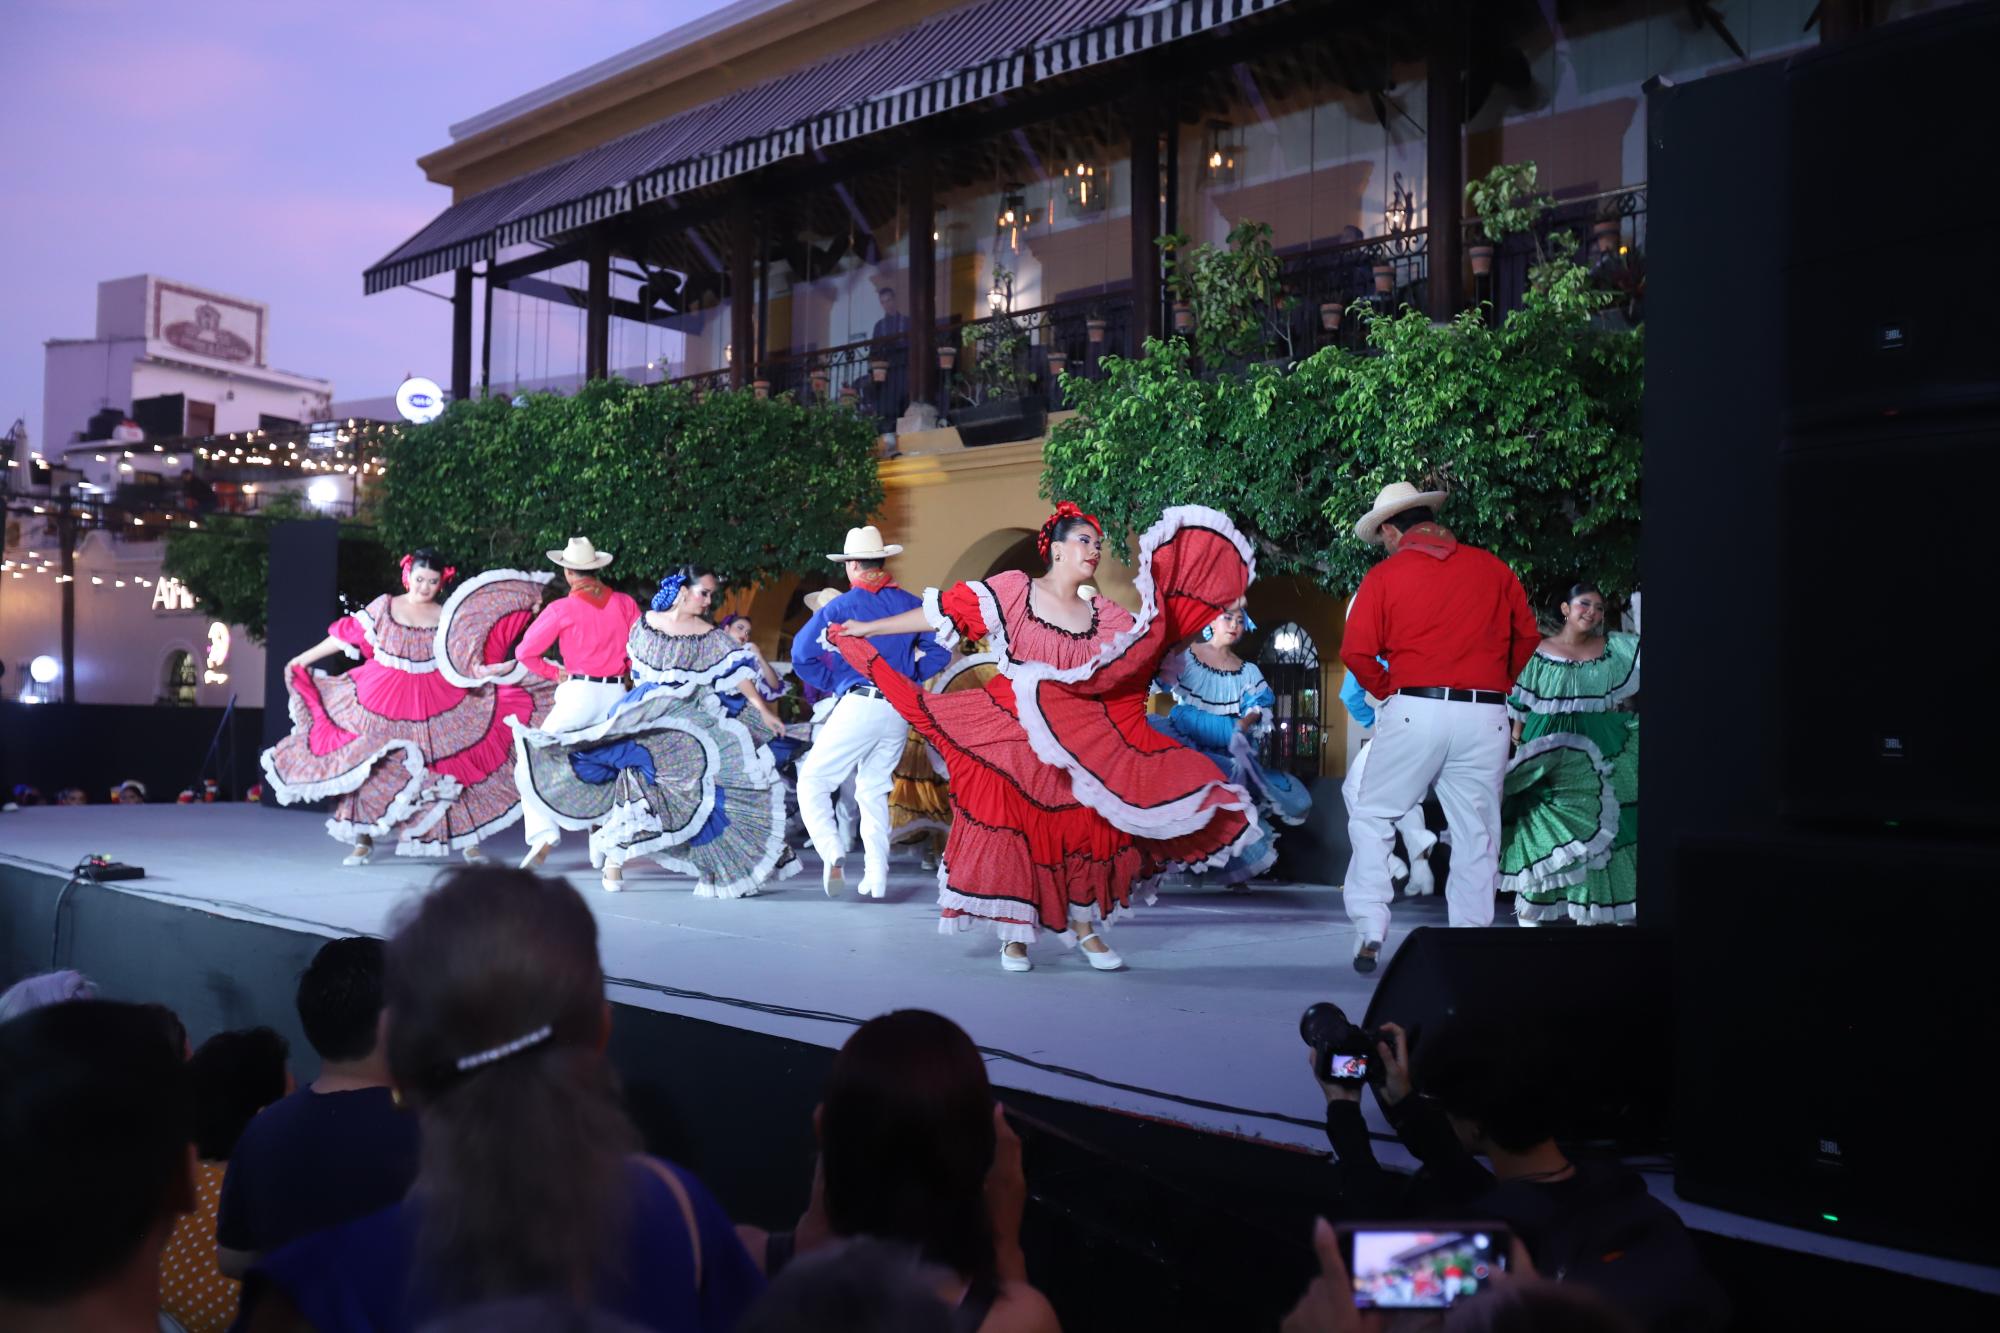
(1836, 1000)
(1600, 996)
(304, 599)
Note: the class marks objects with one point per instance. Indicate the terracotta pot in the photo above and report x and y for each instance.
(878, 368)
(1482, 259)
(761, 387)
(819, 382)
(1096, 327)
(849, 394)
(947, 357)
(1329, 315)
(1183, 317)
(1604, 234)
(1385, 277)
(1058, 362)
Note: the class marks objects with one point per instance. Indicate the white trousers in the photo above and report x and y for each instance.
(1458, 749)
(1417, 836)
(862, 738)
(577, 704)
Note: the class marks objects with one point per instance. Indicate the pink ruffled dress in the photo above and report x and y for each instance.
(415, 746)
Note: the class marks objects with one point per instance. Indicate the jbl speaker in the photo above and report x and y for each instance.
(1600, 996)
(1837, 1006)
(1891, 442)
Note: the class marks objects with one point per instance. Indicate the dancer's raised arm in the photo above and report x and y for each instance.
(912, 621)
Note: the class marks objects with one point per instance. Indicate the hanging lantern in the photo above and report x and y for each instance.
(1014, 214)
(1221, 153)
(1085, 186)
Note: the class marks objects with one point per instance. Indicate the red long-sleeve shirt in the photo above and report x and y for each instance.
(1442, 614)
(591, 630)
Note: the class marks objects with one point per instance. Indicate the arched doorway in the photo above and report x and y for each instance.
(178, 680)
(1001, 549)
(1290, 662)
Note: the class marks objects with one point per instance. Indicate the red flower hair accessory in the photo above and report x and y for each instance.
(444, 575)
(1066, 509)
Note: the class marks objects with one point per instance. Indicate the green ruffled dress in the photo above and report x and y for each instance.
(1569, 810)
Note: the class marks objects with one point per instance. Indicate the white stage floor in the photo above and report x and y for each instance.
(1207, 1008)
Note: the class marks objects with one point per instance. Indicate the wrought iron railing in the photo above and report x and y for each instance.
(873, 374)
(1073, 336)
(703, 381)
(1607, 231)
(1322, 284)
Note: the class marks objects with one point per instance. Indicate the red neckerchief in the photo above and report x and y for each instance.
(1432, 539)
(871, 580)
(595, 594)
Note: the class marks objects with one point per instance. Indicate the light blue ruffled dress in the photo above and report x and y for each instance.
(1207, 704)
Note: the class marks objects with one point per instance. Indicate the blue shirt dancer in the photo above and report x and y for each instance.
(863, 736)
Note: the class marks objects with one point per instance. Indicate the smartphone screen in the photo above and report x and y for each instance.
(1421, 1269)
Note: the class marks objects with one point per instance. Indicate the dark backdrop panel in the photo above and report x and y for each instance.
(304, 600)
(1713, 416)
(98, 746)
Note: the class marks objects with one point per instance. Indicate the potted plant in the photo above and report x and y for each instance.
(1183, 317)
(1481, 254)
(761, 387)
(1329, 315)
(878, 368)
(1604, 234)
(1095, 325)
(1236, 297)
(993, 389)
(1058, 362)
(819, 380)
(849, 395)
(1385, 275)
(947, 356)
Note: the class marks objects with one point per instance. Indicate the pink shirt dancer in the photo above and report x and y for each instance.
(590, 626)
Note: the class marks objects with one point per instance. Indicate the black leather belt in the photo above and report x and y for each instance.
(868, 690)
(1455, 696)
(597, 680)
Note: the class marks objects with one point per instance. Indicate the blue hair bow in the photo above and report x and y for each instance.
(1208, 630)
(670, 588)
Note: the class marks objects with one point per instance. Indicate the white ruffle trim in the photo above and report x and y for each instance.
(1593, 703)
(1566, 865)
(452, 607)
(367, 622)
(1178, 818)
(632, 829)
(943, 628)
(1583, 914)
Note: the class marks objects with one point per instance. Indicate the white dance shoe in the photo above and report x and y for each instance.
(1105, 959)
(533, 860)
(362, 854)
(1422, 882)
(1011, 963)
(829, 882)
(613, 880)
(473, 856)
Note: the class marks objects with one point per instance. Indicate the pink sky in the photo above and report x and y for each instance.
(265, 150)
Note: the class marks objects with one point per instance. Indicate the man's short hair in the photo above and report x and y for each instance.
(885, 291)
(1409, 518)
(340, 997)
(94, 1132)
(1495, 1074)
(234, 1076)
(871, 564)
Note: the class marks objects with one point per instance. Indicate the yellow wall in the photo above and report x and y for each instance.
(956, 511)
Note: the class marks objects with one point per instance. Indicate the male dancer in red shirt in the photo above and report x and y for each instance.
(1455, 627)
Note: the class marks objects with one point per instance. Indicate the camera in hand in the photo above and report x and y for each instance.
(1345, 1050)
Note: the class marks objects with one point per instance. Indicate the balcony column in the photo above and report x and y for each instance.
(1444, 150)
(461, 333)
(920, 208)
(597, 312)
(1143, 125)
(742, 285)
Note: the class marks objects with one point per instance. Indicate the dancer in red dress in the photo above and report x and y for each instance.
(1062, 796)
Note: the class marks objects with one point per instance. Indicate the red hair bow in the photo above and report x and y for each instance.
(1065, 509)
(444, 575)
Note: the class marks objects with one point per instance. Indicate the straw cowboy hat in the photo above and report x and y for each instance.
(865, 544)
(1396, 497)
(580, 554)
(815, 600)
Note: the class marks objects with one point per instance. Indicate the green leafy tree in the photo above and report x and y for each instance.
(227, 562)
(1235, 292)
(750, 487)
(1531, 424)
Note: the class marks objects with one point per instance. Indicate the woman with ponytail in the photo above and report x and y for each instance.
(684, 767)
(414, 740)
(532, 1187)
(1062, 797)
